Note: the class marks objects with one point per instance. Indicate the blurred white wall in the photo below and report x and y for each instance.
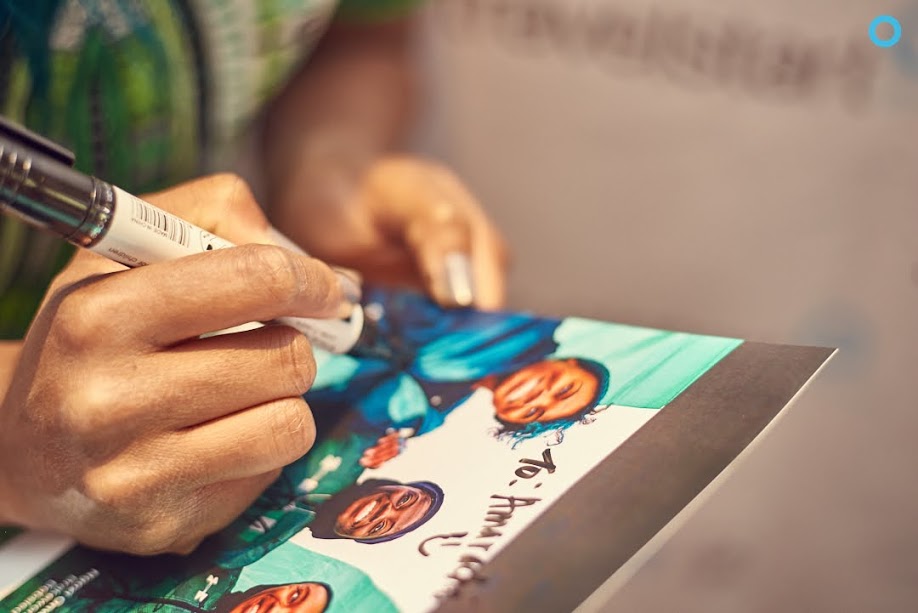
(731, 167)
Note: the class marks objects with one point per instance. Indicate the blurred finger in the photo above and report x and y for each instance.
(440, 240)
(489, 263)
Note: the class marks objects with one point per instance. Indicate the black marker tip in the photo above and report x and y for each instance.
(374, 344)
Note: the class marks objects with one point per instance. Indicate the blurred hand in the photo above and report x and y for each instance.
(122, 427)
(405, 221)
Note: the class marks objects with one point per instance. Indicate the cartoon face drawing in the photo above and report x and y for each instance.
(290, 598)
(545, 391)
(390, 510)
(377, 511)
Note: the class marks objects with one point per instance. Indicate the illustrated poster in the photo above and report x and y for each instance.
(425, 467)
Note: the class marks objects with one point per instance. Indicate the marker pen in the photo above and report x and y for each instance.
(39, 185)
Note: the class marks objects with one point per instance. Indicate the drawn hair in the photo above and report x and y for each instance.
(554, 430)
(323, 526)
(234, 599)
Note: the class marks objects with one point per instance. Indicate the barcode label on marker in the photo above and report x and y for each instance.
(139, 234)
(173, 228)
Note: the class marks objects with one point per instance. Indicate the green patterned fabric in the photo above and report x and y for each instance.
(363, 10)
(147, 93)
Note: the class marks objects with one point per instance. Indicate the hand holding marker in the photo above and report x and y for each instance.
(119, 385)
(38, 184)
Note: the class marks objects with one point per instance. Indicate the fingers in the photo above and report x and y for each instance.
(203, 380)
(350, 279)
(83, 267)
(169, 302)
(149, 500)
(489, 263)
(457, 250)
(247, 443)
(440, 240)
(218, 505)
(222, 204)
(462, 257)
(192, 516)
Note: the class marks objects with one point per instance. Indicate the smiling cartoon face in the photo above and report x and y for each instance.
(545, 391)
(387, 511)
(293, 598)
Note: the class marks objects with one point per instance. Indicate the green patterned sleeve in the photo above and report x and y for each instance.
(376, 10)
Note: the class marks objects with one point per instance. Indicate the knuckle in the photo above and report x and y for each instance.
(158, 536)
(91, 407)
(129, 499)
(292, 430)
(275, 271)
(82, 319)
(296, 358)
(112, 489)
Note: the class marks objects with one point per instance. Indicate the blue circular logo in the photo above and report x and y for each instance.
(879, 21)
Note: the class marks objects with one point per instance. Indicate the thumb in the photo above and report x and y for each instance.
(222, 204)
(440, 241)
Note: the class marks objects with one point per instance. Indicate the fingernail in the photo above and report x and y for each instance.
(350, 295)
(349, 280)
(459, 278)
(350, 283)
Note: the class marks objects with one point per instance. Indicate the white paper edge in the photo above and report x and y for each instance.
(26, 554)
(600, 599)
